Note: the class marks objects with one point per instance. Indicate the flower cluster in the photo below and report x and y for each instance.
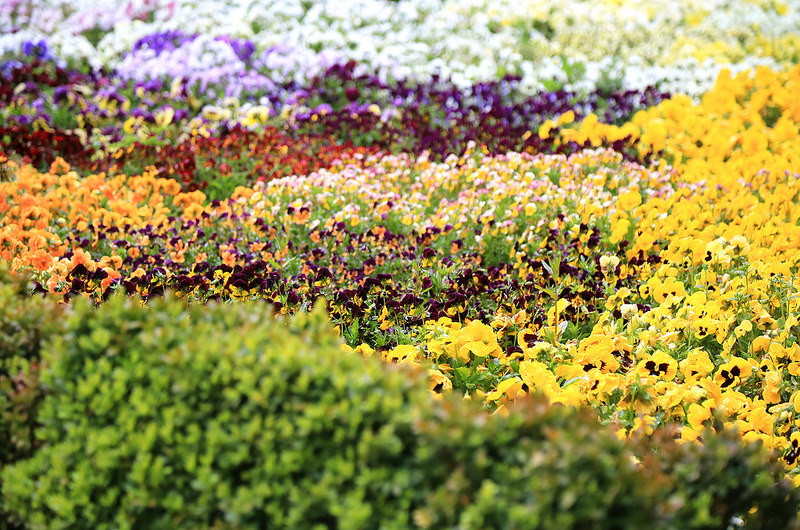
(712, 326)
(682, 45)
(392, 224)
(627, 250)
(86, 118)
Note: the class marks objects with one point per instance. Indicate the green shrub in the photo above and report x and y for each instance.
(25, 321)
(176, 416)
(191, 417)
(720, 481)
(544, 466)
(549, 466)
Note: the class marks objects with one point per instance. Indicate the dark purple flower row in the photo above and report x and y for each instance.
(442, 118)
(360, 285)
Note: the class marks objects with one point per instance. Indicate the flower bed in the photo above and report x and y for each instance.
(605, 245)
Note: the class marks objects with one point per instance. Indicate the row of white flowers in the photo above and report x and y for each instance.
(681, 44)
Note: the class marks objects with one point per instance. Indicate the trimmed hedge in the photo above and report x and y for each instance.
(176, 416)
(25, 321)
(721, 483)
(547, 466)
(222, 416)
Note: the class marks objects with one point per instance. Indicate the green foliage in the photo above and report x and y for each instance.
(542, 467)
(94, 35)
(191, 417)
(548, 466)
(720, 481)
(177, 416)
(25, 321)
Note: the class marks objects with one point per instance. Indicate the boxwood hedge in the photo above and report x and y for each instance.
(26, 320)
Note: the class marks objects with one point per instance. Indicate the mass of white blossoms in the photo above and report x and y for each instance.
(679, 45)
